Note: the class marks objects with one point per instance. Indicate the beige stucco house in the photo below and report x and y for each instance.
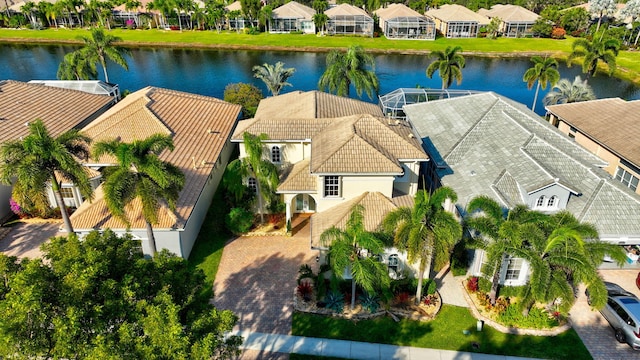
(200, 127)
(335, 152)
(292, 17)
(609, 128)
(515, 21)
(398, 21)
(61, 105)
(456, 21)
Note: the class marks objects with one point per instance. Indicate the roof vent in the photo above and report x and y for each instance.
(473, 173)
(211, 131)
(411, 136)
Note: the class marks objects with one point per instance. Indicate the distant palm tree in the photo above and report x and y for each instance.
(100, 47)
(34, 161)
(347, 253)
(565, 92)
(592, 52)
(449, 63)
(142, 175)
(424, 231)
(274, 76)
(320, 20)
(544, 71)
(355, 67)
(77, 66)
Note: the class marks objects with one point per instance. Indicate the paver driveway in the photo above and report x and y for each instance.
(257, 278)
(24, 239)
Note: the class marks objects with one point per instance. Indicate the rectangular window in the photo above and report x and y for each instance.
(514, 265)
(67, 193)
(331, 186)
(627, 178)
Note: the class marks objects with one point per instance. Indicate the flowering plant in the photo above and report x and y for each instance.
(15, 207)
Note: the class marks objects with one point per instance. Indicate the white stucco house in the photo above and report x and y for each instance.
(200, 127)
(333, 153)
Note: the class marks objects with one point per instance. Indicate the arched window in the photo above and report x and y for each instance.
(252, 184)
(275, 155)
(394, 263)
(541, 201)
(552, 201)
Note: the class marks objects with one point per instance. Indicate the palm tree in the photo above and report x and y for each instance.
(274, 76)
(142, 175)
(100, 47)
(320, 20)
(355, 67)
(34, 162)
(544, 71)
(565, 92)
(426, 230)
(77, 66)
(347, 253)
(253, 166)
(592, 52)
(449, 63)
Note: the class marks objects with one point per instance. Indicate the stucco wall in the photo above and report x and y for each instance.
(352, 186)
(555, 190)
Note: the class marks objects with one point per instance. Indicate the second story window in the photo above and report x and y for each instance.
(627, 178)
(541, 201)
(276, 157)
(553, 201)
(331, 186)
(253, 185)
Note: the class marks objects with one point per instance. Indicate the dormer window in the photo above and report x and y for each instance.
(541, 201)
(553, 201)
(276, 155)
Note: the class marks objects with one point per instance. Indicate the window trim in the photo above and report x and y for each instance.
(276, 154)
(252, 184)
(620, 175)
(328, 189)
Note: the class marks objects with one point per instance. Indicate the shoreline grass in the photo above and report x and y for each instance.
(628, 61)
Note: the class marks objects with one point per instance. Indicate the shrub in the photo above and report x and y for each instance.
(558, 33)
(501, 304)
(511, 291)
(484, 285)
(429, 300)
(239, 220)
(459, 259)
(305, 290)
(429, 287)
(371, 302)
(305, 272)
(334, 301)
(402, 299)
(472, 284)
(536, 319)
(15, 208)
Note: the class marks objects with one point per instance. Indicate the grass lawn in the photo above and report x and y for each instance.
(628, 61)
(445, 332)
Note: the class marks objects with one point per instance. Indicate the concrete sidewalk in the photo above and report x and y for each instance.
(351, 349)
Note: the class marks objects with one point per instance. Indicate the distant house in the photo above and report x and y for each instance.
(401, 22)
(200, 127)
(237, 22)
(456, 21)
(60, 107)
(516, 21)
(609, 128)
(346, 19)
(334, 152)
(292, 17)
(486, 144)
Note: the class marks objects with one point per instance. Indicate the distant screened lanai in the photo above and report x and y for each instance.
(392, 103)
(96, 87)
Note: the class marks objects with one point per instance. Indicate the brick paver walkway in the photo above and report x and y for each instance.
(594, 330)
(24, 239)
(257, 277)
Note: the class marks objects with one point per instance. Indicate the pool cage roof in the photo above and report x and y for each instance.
(392, 103)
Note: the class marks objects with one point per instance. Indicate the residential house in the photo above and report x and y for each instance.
(237, 22)
(292, 17)
(60, 108)
(486, 144)
(515, 21)
(456, 21)
(335, 152)
(200, 127)
(401, 22)
(346, 19)
(609, 128)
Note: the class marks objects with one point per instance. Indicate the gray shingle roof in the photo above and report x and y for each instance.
(485, 144)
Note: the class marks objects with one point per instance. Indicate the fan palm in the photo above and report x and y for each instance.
(565, 92)
(142, 175)
(600, 49)
(34, 161)
(426, 231)
(274, 76)
(347, 253)
(355, 67)
(543, 72)
(100, 46)
(449, 63)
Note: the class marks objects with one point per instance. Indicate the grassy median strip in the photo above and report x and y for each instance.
(444, 332)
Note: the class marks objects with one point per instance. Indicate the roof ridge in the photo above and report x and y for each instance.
(593, 197)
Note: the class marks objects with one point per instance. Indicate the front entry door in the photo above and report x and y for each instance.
(305, 203)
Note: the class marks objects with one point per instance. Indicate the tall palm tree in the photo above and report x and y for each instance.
(100, 47)
(449, 63)
(543, 72)
(355, 67)
(347, 253)
(34, 161)
(320, 20)
(274, 76)
(600, 49)
(565, 92)
(77, 66)
(424, 231)
(255, 166)
(142, 175)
